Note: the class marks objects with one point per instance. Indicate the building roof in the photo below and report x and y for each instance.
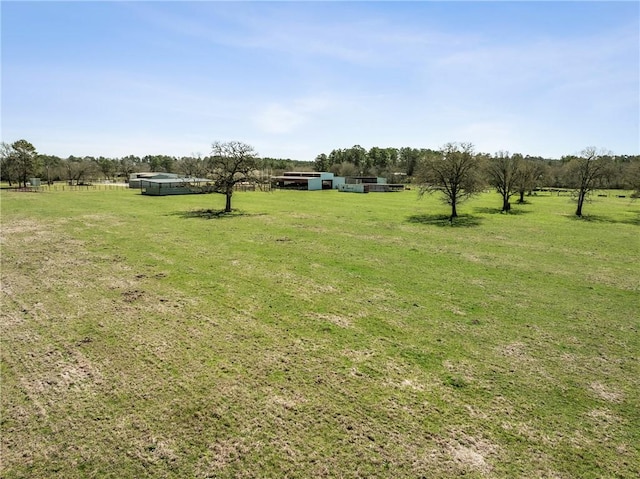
(298, 179)
(176, 180)
(311, 174)
(152, 174)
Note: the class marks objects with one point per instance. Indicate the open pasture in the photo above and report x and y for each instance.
(318, 334)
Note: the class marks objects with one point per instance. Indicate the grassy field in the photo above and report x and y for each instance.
(318, 334)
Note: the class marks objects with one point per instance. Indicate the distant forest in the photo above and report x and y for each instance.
(402, 164)
(20, 161)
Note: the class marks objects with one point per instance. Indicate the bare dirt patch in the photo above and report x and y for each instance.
(23, 227)
(411, 384)
(469, 457)
(459, 454)
(220, 455)
(303, 286)
(359, 355)
(64, 370)
(606, 393)
(472, 453)
(342, 321)
(132, 295)
(290, 401)
(603, 417)
(516, 351)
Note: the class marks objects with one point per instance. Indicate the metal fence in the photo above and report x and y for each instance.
(114, 186)
(67, 187)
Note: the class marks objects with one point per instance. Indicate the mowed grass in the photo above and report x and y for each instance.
(318, 334)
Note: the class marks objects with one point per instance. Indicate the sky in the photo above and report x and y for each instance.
(297, 79)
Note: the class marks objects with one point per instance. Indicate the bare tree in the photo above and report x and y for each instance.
(107, 166)
(77, 169)
(193, 166)
(49, 163)
(126, 166)
(587, 172)
(230, 163)
(502, 171)
(455, 172)
(529, 174)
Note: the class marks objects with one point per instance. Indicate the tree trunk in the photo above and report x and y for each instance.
(227, 208)
(454, 212)
(506, 206)
(580, 202)
(521, 200)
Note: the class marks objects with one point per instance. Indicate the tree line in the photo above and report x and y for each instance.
(455, 171)
(229, 163)
(20, 161)
(402, 165)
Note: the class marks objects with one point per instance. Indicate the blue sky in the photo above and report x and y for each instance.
(296, 79)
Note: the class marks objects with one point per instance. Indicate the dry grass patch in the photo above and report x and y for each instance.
(303, 287)
(530, 432)
(338, 320)
(517, 351)
(603, 417)
(290, 401)
(606, 393)
(221, 455)
(460, 453)
(411, 384)
(473, 452)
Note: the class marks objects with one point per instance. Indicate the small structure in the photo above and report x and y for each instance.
(370, 187)
(135, 178)
(365, 179)
(176, 186)
(307, 180)
(369, 184)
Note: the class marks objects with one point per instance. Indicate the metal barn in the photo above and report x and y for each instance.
(136, 178)
(369, 184)
(176, 186)
(307, 180)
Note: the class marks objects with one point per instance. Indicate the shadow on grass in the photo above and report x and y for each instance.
(213, 214)
(494, 211)
(634, 220)
(462, 221)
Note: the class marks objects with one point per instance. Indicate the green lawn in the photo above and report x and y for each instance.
(318, 334)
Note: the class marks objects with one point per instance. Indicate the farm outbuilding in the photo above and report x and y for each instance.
(136, 178)
(368, 184)
(176, 186)
(370, 187)
(307, 180)
(365, 179)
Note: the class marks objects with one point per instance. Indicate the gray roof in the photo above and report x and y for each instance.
(176, 180)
